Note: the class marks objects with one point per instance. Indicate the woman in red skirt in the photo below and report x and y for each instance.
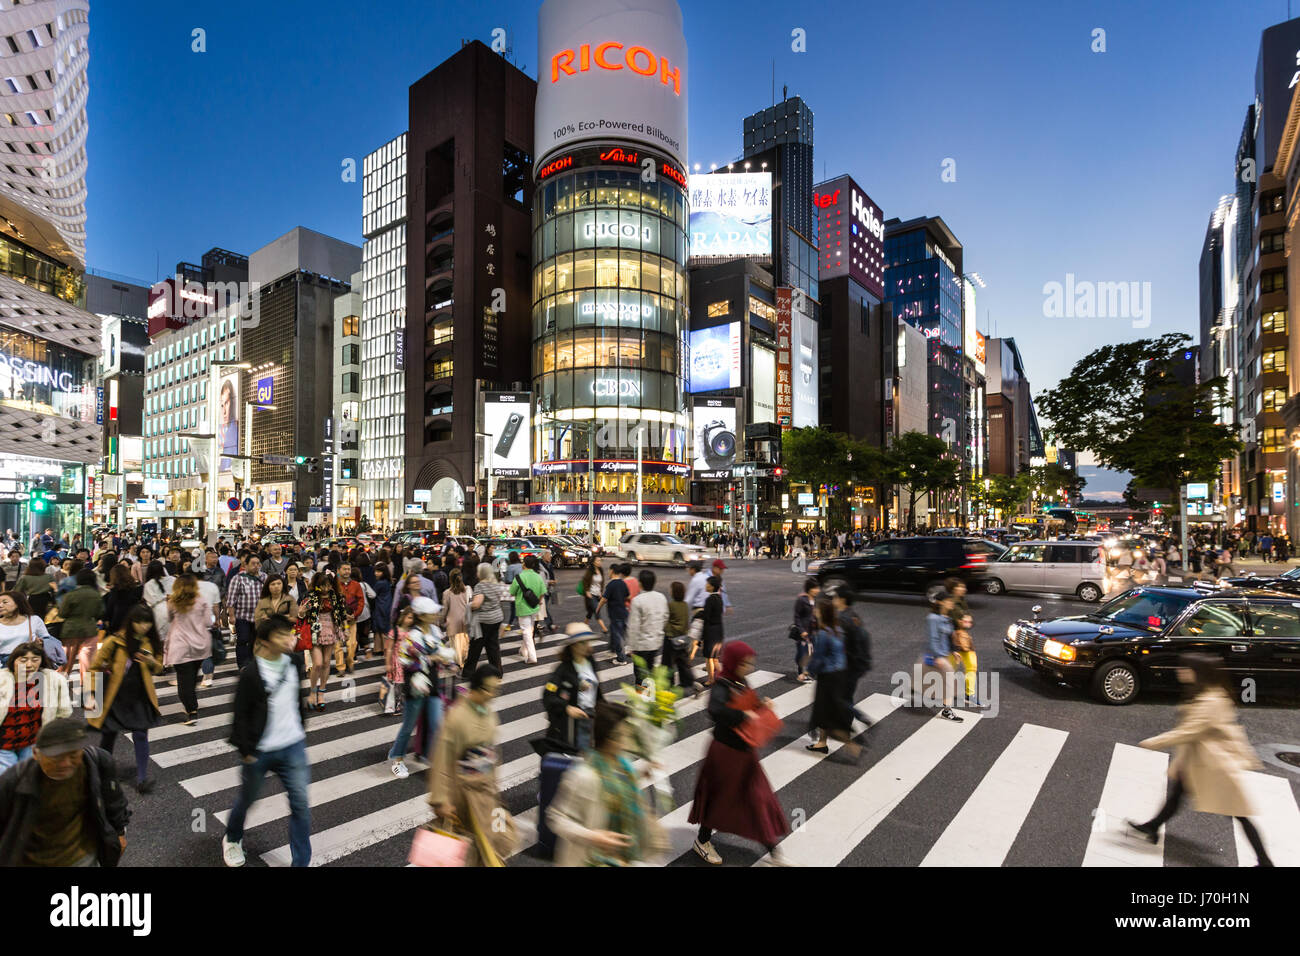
(732, 794)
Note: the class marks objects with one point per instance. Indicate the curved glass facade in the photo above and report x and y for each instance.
(609, 330)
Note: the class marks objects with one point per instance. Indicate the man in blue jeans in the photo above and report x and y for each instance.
(615, 598)
(268, 733)
(242, 595)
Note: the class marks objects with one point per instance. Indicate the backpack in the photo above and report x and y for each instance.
(857, 644)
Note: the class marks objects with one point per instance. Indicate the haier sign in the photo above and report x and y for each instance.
(852, 230)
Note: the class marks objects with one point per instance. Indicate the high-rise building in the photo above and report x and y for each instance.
(50, 404)
(384, 334)
(122, 304)
(1015, 438)
(290, 351)
(609, 249)
(469, 248)
(781, 136)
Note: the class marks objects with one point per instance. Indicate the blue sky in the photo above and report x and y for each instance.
(1065, 159)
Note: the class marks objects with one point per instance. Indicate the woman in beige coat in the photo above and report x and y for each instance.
(600, 815)
(1210, 754)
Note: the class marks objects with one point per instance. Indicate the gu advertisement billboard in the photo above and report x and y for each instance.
(715, 358)
(731, 214)
(714, 423)
(852, 234)
(611, 72)
(508, 419)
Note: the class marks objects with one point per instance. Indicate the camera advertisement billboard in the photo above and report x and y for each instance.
(715, 358)
(508, 419)
(716, 444)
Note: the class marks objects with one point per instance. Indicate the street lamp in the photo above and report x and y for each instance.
(487, 470)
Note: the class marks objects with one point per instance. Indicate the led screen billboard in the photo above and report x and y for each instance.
(731, 215)
(507, 419)
(715, 431)
(715, 358)
(762, 378)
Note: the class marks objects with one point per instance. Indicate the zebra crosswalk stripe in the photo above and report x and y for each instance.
(832, 833)
(1134, 790)
(987, 824)
(1276, 817)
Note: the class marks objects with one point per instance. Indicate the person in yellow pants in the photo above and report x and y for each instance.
(963, 652)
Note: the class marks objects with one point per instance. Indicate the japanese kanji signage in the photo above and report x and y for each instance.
(784, 386)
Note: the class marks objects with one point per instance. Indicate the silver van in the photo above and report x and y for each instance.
(1058, 567)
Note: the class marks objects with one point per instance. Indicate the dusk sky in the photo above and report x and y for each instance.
(1065, 159)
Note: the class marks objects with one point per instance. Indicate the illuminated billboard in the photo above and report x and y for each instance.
(762, 380)
(731, 215)
(229, 407)
(715, 358)
(715, 431)
(614, 72)
(508, 419)
(804, 370)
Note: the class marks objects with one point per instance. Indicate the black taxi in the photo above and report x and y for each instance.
(1136, 639)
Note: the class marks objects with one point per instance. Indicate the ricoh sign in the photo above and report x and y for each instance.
(611, 72)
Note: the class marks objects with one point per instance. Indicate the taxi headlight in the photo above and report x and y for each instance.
(1011, 632)
(1062, 652)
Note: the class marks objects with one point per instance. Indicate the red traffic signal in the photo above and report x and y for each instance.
(778, 472)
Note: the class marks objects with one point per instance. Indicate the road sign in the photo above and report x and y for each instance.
(232, 504)
(248, 504)
(277, 460)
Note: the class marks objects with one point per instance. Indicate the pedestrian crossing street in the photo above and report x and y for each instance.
(928, 792)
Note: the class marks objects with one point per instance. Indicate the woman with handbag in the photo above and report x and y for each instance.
(831, 715)
(189, 640)
(677, 639)
(32, 693)
(325, 621)
(456, 626)
(732, 793)
(131, 657)
(486, 615)
(593, 583)
(421, 655)
(462, 778)
(600, 815)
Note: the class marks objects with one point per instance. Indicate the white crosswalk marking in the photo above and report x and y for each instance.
(986, 826)
(1134, 790)
(1276, 817)
(832, 833)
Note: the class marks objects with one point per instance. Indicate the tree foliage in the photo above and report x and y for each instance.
(1134, 407)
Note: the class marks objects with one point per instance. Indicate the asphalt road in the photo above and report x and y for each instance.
(899, 805)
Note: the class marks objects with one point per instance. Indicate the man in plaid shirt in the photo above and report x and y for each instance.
(242, 595)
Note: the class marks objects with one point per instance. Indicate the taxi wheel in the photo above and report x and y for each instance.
(1116, 682)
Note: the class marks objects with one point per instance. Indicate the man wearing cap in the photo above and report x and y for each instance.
(718, 567)
(64, 807)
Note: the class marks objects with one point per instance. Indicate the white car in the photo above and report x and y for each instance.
(650, 548)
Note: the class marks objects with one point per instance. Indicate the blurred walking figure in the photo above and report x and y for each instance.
(801, 631)
(939, 649)
(1210, 754)
(131, 656)
(463, 777)
(832, 715)
(421, 654)
(600, 814)
(732, 793)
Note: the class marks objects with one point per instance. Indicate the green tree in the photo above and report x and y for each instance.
(1007, 495)
(924, 464)
(1134, 407)
(1055, 482)
(818, 456)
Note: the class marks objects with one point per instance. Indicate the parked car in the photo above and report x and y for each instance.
(503, 546)
(1287, 582)
(1136, 639)
(908, 564)
(417, 539)
(1057, 567)
(563, 553)
(646, 548)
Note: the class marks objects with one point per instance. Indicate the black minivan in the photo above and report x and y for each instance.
(909, 564)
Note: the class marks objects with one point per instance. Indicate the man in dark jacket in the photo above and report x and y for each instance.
(857, 647)
(268, 731)
(42, 800)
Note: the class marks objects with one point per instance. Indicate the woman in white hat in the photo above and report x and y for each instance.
(419, 655)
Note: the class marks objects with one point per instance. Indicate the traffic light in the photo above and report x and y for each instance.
(300, 460)
(38, 501)
(778, 473)
(307, 460)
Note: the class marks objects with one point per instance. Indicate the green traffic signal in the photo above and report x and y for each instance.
(300, 460)
(37, 500)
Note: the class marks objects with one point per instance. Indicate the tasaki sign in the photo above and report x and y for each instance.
(610, 73)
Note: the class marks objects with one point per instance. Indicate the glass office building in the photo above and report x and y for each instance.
(609, 337)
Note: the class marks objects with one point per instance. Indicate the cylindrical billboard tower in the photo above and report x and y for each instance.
(609, 264)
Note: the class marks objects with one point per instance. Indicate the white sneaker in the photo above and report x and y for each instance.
(232, 853)
(707, 851)
(207, 681)
(400, 771)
